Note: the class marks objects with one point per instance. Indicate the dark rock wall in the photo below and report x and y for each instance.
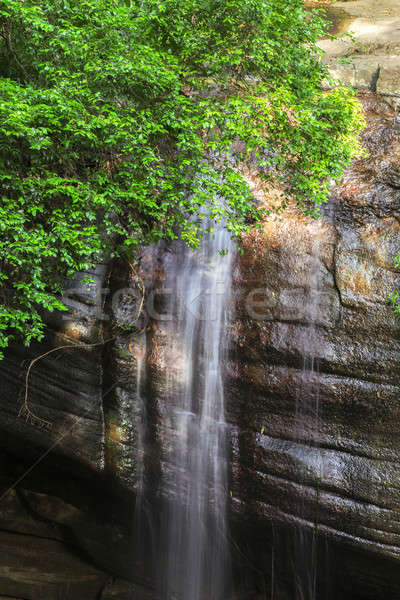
(312, 386)
(315, 400)
(64, 523)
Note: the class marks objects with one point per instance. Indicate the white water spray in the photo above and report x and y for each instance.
(195, 481)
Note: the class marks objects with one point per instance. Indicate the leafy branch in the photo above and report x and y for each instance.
(118, 122)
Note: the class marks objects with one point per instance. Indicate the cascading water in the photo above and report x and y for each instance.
(139, 418)
(196, 558)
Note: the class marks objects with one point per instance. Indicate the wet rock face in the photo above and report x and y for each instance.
(312, 388)
(314, 405)
(60, 508)
(60, 398)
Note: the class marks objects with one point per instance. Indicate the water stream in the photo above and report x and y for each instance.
(192, 557)
(139, 418)
(196, 557)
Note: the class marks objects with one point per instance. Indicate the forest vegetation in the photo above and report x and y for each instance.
(117, 123)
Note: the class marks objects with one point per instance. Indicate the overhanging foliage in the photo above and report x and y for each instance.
(117, 121)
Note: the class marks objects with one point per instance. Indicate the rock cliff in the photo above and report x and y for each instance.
(312, 387)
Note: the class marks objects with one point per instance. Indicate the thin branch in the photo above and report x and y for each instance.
(25, 409)
(54, 445)
(6, 35)
(142, 289)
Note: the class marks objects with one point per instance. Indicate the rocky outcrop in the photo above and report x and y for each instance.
(368, 58)
(315, 400)
(60, 510)
(312, 385)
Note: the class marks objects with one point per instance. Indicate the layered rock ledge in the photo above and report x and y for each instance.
(366, 53)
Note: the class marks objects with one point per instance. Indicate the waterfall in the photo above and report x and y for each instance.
(139, 418)
(195, 554)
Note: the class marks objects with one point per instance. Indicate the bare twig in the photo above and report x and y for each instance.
(6, 35)
(54, 445)
(25, 409)
(142, 289)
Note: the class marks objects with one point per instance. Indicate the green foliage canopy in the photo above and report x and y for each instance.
(117, 120)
